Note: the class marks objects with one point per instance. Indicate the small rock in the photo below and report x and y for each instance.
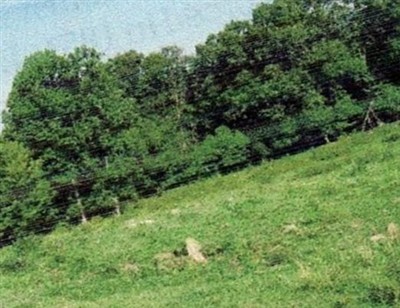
(377, 238)
(147, 222)
(393, 231)
(175, 211)
(292, 228)
(194, 251)
(131, 223)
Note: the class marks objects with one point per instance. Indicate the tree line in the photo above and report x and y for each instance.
(83, 134)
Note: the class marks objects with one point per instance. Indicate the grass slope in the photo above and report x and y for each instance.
(309, 230)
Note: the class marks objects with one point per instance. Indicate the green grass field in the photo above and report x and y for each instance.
(318, 229)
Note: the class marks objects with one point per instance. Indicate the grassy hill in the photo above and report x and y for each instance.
(318, 229)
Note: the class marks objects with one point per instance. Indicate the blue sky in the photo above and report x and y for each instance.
(110, 26)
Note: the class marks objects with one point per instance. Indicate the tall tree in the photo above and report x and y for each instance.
(64, 109)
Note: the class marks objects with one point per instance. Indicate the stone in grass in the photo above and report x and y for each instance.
(194, 251)
(378, 238)
(393, 231)
(292, 228)
(133, 223)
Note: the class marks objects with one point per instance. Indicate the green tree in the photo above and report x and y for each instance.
(65, 109)
(127, 69)
(161, 83)
(380, 33)
(25, 196)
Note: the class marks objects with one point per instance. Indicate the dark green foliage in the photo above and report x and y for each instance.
(218, 153)
(382, 295)
(65, 109)
(380, 37)
(25, 196)
(127, 67)
(387, 102)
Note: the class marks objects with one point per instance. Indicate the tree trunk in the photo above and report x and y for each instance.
(83, 217)
(117, 207)
(115, 199)
(80, 205)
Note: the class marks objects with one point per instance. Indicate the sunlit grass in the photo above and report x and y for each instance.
(309, 230)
